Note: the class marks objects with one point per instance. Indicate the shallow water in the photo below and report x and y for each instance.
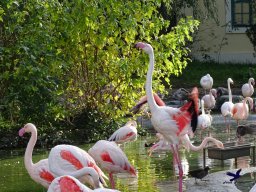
(155, 173)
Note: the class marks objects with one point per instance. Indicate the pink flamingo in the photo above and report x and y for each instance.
(227, 107)
(209, 99)
(247, 88)
(172, 123)
(125, 134)
(241, 110)
(111, 158)
(67, 183)
(71, 160)
(39, 171)
(163, 145)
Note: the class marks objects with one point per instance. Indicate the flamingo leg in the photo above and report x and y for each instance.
(177, 159)
(111, 179)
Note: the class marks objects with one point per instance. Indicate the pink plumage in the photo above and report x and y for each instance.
(111, 158)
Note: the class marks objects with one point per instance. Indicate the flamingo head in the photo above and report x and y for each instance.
(93, 178)
(27, 128)
(147, 48)
(132, 123)
(252, 82)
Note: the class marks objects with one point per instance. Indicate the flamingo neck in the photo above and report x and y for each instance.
(149, 92)
(203, 111)
(229, 93)
(202, 145)
(29, 150)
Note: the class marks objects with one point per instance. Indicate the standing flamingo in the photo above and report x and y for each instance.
(125, 134)
(204, 120)
(67, 183)
(172, 123)
(247, 88)
(74, 161)
(111, 158)
(39, 171)
(241, 110)
(206, 82)
(227, 107)
(209, 100)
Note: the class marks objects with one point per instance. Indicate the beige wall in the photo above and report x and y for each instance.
(221, 45)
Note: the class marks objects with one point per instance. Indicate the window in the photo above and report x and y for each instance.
(240, 15)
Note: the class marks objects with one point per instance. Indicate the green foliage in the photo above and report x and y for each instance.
(59, 58)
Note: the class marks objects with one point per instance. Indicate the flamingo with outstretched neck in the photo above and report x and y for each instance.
(39, 171)
(163, 145)
(67, 183)
(172, 123)
(111, 159)
(227, 107)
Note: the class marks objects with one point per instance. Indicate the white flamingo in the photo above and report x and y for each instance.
(39, 171)
(74, 161)
(206, 82)
(241, 110)
(247, 88)
(172, 123)
(227, 107)
(127, 133)
(111, 158)
(67, 183)
(209, 100)
(204, 120)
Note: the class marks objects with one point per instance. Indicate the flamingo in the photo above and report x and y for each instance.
(206, 82)
(241, 110)
(247, 88)
(204, 120)
(39, 171)
(171, 122)
(111, 158)
(209, 100)
(125, 134)
(67, 183)
(227, 107)
(163, 145)
(74, 161)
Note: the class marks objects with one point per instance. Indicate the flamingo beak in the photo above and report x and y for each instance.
(22, 132)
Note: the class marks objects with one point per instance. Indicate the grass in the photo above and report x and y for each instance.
(192, 74)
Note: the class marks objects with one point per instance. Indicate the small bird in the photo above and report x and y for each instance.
(246, 129)
(235, 176)
(199, 173)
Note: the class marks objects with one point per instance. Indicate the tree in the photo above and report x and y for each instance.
(59, 58)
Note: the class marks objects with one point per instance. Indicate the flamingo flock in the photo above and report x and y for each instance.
(69, 168)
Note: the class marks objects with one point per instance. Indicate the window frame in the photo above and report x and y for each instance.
(231, 27)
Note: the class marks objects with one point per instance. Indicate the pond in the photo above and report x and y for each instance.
(155, 173)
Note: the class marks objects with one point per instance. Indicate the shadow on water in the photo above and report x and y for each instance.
(155, 173)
